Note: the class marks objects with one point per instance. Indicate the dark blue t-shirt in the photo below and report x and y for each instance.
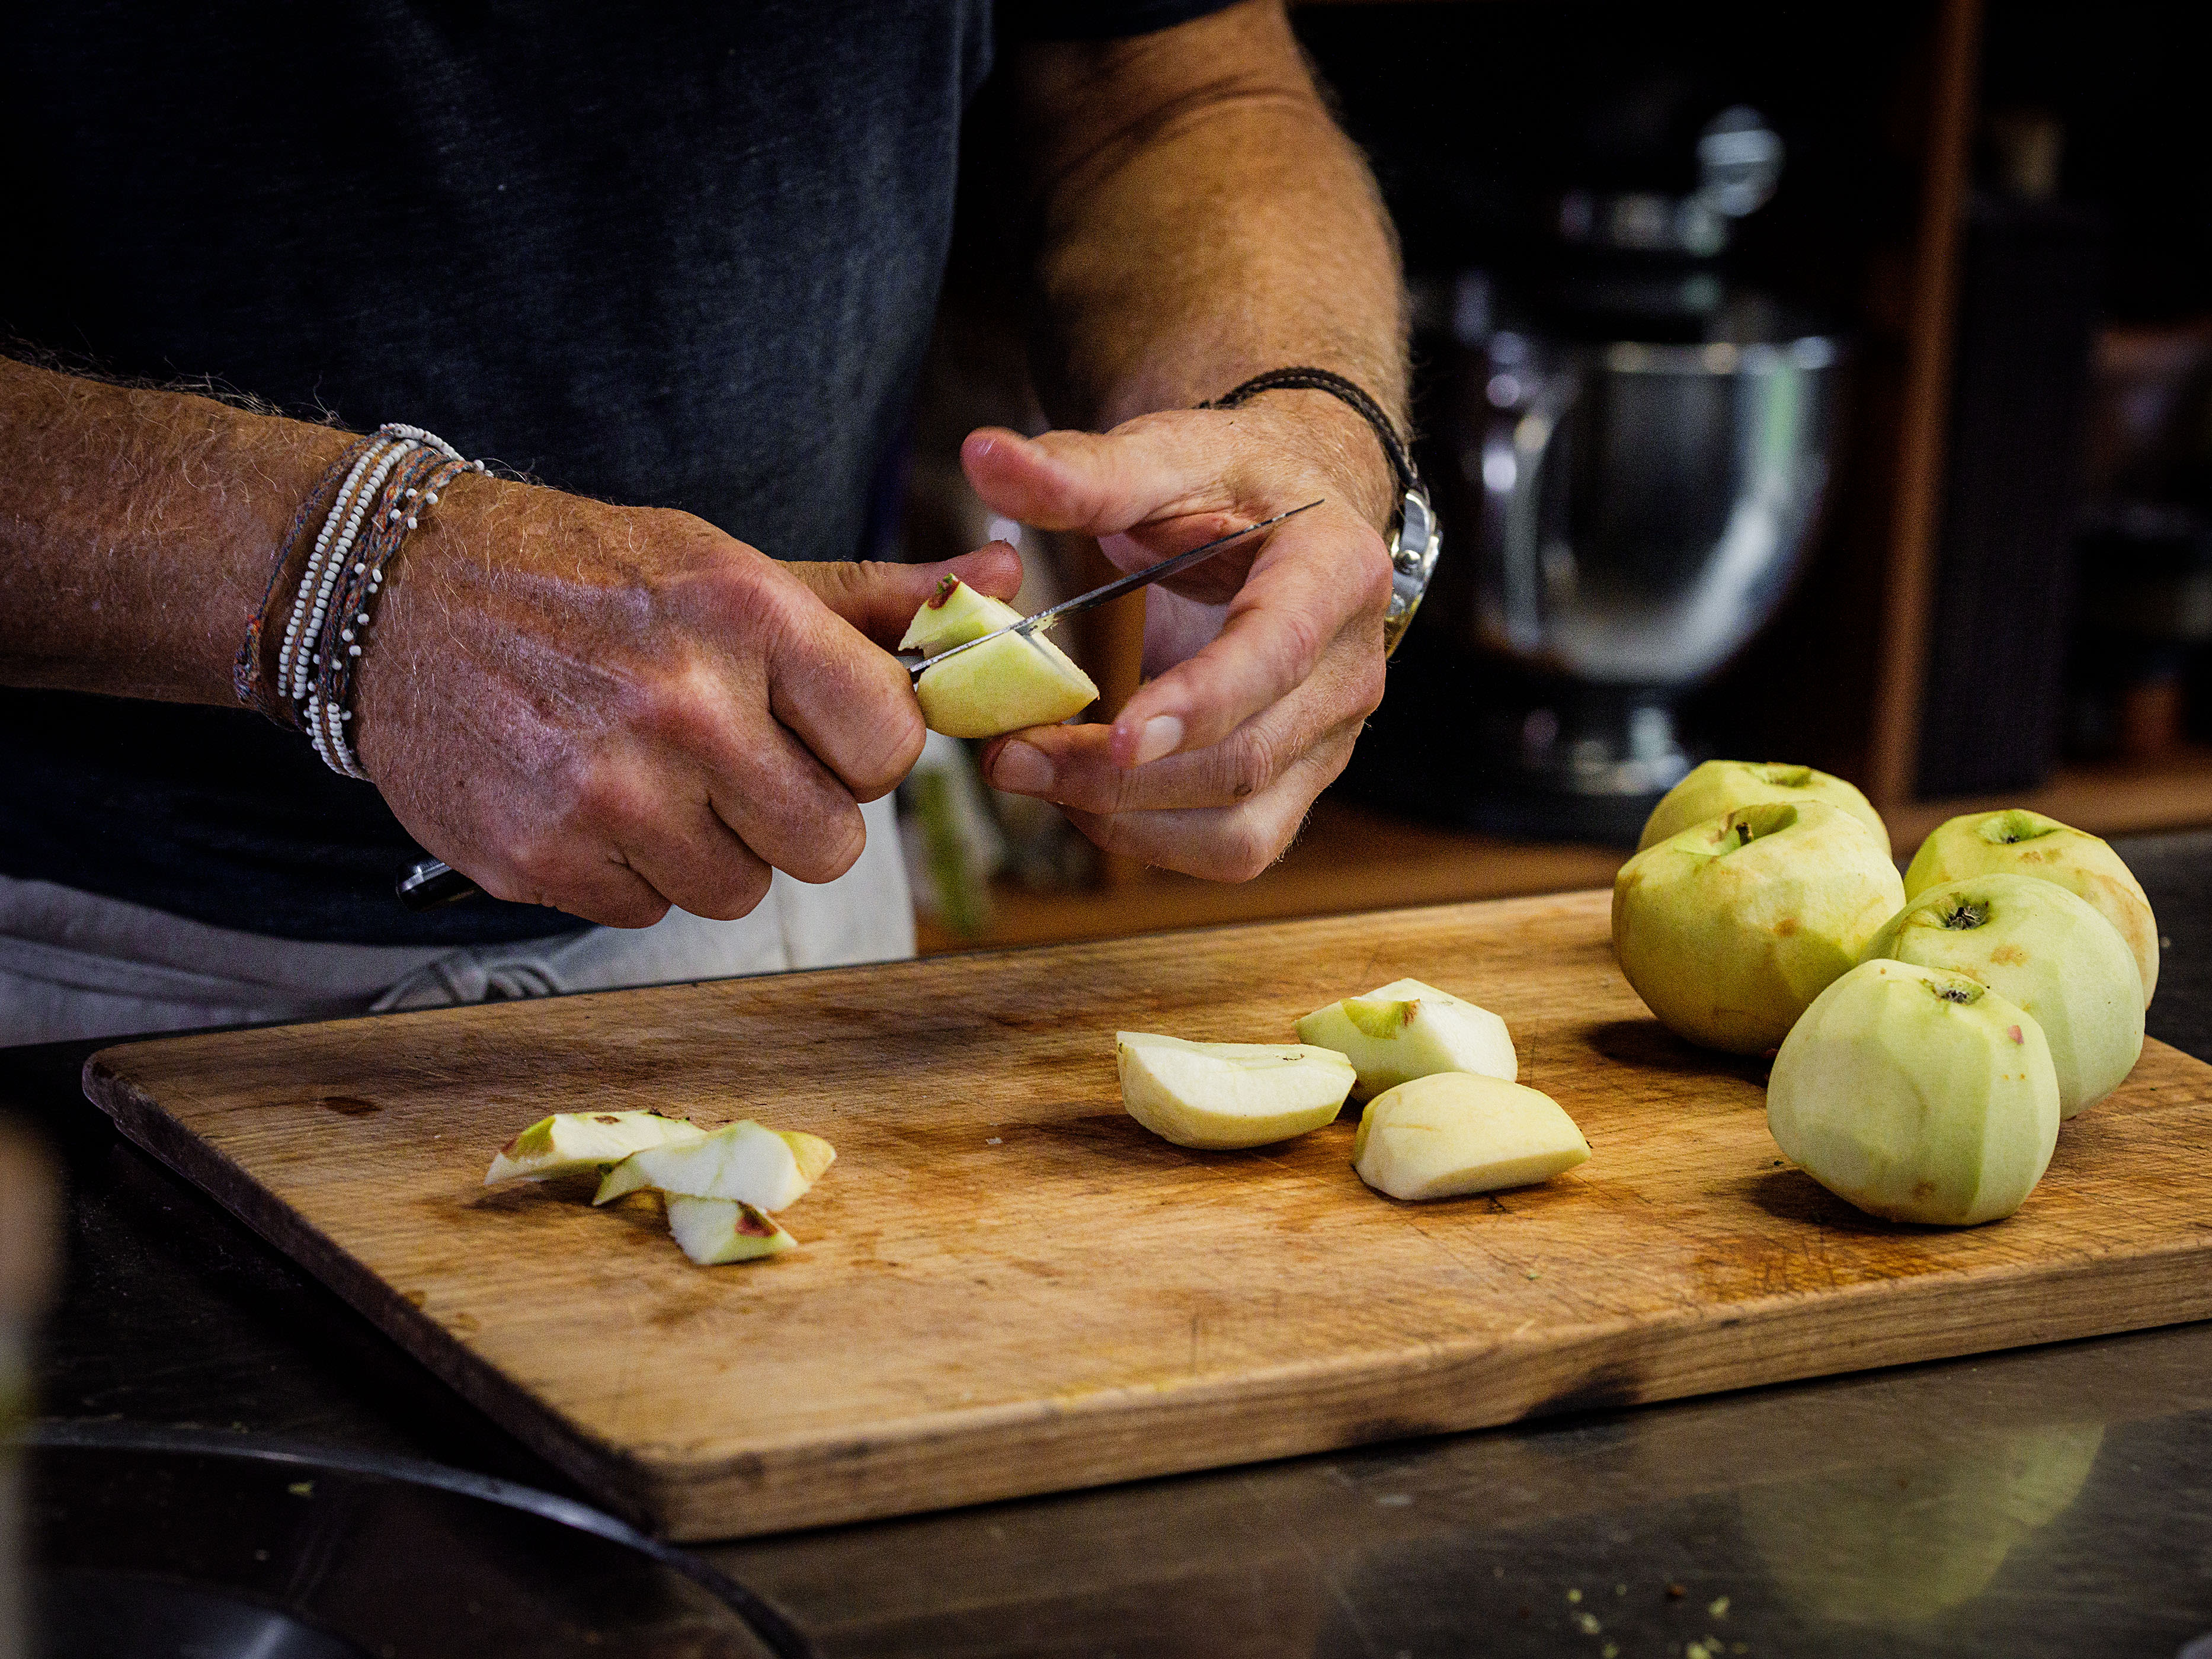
(680, 255)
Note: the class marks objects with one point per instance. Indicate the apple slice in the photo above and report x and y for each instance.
(1405, 1030)
(1451, 1132)
(1007, 685)
(954, 614)
(742, 1161)
(713, 1231)
(1216, 1095)
(569, 1143)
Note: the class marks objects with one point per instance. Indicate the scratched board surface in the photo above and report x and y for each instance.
(1005, 1287)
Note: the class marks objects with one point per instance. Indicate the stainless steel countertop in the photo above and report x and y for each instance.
(2055, 1500)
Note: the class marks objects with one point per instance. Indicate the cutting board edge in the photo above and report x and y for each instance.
(614, 1477)
(793, 1486)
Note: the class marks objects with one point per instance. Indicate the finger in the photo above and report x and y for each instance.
(880, 598)
(780, 801)
(1073, 765)
(1319, 577)
(1099, 484)
(1225, 843)
(849, 702)
(693, 861)
(721, 755)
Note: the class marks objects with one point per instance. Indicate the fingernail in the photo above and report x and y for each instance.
(1022, 769)
(1162, 735)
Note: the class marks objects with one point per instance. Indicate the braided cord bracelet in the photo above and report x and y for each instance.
(1416, 538)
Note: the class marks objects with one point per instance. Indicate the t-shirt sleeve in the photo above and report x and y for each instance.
(1097, 19)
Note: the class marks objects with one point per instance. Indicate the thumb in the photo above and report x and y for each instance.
(1101, 484)
(879, 598)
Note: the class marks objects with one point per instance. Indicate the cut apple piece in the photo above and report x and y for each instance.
(954, 614)
(743, 1162)
(1217, 1096)
(713, 1231)
(1006, 684)
(1452, 1132)
(569, 1143)
(1405, 1030)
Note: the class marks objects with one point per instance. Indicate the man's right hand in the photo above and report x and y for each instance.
(613, 710)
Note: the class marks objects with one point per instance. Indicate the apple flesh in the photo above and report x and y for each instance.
(1451, 1132)
(743, 1162)
(2016, 842)
(2038, 944)
(1728, 930)
(954, 614)
(1219, 1096)
(1917, 1095)
(1719, 786)
(714, 1231)
(1405, 1030)
(1016, 681)
(569, 1143)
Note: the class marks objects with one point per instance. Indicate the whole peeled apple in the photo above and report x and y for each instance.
(2035, 943)
(1717, 788)
(1917, 1095)
(1728, 930)
(1005, 684)
(2017, 842)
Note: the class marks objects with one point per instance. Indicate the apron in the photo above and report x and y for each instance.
(77, 964)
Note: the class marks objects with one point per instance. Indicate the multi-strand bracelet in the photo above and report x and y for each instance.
(367, 502)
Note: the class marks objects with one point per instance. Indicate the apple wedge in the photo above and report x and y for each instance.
(569, 1143)
(1405, 1030)
(1217, 1095)
(1017, 681)
(743, 1162)
(1008, 685)
(1451, 1132)
(713, 1231)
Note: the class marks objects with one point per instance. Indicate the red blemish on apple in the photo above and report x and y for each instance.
(943, 593)
(2013, 1032)
(608, 1117)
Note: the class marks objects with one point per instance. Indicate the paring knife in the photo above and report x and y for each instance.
(1112, 590)
(432, 883)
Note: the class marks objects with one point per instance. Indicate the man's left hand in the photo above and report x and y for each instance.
(1262, 663)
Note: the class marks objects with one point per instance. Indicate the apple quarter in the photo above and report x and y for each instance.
(1220, 1095)
(1451, 1132)
(1405, 1030)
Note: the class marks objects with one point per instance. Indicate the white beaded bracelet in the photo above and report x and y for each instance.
(323, 639)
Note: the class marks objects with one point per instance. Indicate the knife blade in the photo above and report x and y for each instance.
(1112, 590)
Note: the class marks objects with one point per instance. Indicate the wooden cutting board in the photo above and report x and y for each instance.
(1005, 1286)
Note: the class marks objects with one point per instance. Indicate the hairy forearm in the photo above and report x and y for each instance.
(137, 529)
(1200, 219)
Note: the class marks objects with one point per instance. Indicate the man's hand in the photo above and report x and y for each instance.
(1264, 660)
(611, 710)
(1198, 219)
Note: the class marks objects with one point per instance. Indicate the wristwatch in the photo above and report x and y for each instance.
(1416, 538)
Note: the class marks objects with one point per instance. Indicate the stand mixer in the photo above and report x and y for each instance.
(1637, 456)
